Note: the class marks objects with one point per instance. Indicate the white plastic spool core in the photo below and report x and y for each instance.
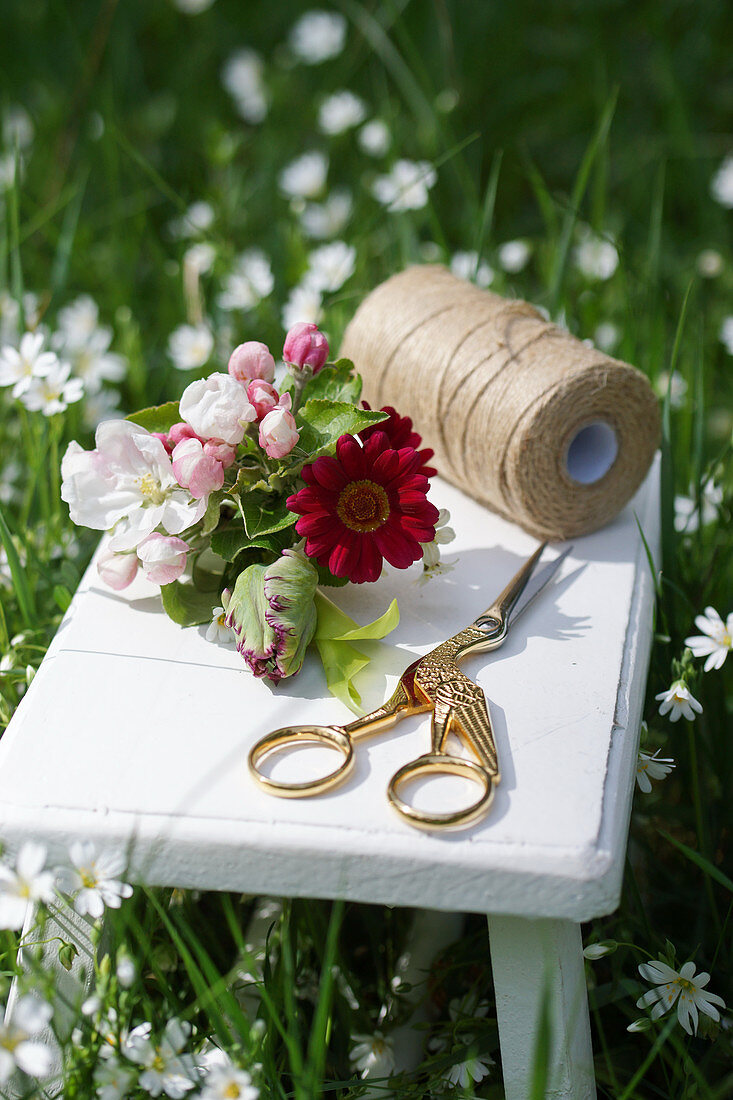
(591, 452)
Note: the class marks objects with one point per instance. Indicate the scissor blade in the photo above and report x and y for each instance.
(536, 584)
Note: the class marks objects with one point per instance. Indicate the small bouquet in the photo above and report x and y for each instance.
(250, 497)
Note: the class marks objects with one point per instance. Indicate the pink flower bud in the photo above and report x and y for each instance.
(264, 397)
(180, 431)
(163, 557)
(222, 452)
(251, 360)
(117, 570)
(165, 440)
(305, 346)
(195, 470)
(278, 434)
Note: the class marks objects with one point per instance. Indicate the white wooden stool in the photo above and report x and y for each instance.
(135, 733)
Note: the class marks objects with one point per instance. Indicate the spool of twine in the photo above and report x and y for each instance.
(550, 433)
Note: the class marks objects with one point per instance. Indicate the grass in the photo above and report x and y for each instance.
(542, 121)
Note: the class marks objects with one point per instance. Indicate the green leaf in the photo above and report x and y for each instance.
(321, 423)
(264, 514)
(342, 661)
(325, 576)
(700, 861)
(336, 382)
(157, 418)
(67, 953)
(213, 511)
(231, 540)
(61, 596)
(186, 605)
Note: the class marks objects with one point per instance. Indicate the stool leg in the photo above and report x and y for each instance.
(71, 986)
(532, 959)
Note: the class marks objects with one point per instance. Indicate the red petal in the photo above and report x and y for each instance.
(351, 457)
(345, 555)
(370, 562)
(329, 473)
(398, 548)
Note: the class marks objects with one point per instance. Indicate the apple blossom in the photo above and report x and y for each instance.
(265, 398)
(117, 570)
(278, 433)
(222, 452)
(305, 347)
(251, 360)
(126, 485)
(163, 557)
(217, 408)
(195, 470)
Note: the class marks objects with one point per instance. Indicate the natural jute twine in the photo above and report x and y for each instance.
(501, 394)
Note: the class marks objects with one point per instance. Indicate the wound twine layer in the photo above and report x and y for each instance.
(525, 418)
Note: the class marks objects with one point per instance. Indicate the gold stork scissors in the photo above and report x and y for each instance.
(433, 682)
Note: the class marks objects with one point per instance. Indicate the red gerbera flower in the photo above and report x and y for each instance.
(366, 504)
(400, 432)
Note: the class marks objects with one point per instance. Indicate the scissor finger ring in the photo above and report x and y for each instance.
(432, 763)
(292, 737)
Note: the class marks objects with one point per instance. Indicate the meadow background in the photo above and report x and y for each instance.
(571, 154)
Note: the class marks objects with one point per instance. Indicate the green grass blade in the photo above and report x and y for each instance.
(23, 590)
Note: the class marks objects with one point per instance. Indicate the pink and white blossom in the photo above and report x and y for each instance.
(126, 485)
(265, 397)
(196, 470)
(251, 360)
(217, 408)
(163, 557)
(117, 570)
(278, 433)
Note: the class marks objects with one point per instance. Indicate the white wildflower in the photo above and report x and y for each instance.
(54, 391)
(514, 256)
(304, 304)
(165, 1068)
(675, 384)
(249, 282)
(715, 641)
(17, 1047)
(199, 257)
(126, 971)
(373, 1055)
(305, 177)
(606, 336)
(406, 186)
(99, 406)
(217, 631)
(9, 319)
(432, 565)
(223, 1079)
(93, 362)
(468, 265)
(93, 879)
(331, 265)
(726, 334)
(198, 218)
(113, 1080)
(721, 185)
(19, 367)
(242, 76)
(374, 137)
(684, 987)
(595, 257)
(598, 950)
(339, 112)
(318, 36)
(321, 221)
(680, 701)
(652, 767)
(17, 127)
(709, 263)
(77, 322)
(687, 515)
(473, 1069)
(190, 346)
(26, 885)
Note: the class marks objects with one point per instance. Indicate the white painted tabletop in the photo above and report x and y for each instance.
(135, 733)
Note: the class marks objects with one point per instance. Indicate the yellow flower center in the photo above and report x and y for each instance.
(363, 506)
(158, 1063)
(222, 621)
(88, 877)
(150, 489)
(232, 1090)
